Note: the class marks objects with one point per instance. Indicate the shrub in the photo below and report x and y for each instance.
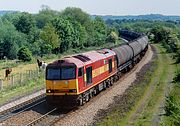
(177, 77)
(24, 54)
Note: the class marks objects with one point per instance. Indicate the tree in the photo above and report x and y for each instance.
(166, 37)
(45, 15)
(25, 23)
(65, 31)
(50, 37)
(76, 14)
(24, 54)
(79, 34)
(112, 37)
(11, 40)
(84, 23)
(34, 35)
(99, 31)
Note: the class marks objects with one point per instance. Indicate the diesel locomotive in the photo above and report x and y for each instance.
(75, 79)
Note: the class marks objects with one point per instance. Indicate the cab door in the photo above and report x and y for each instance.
(81, 81)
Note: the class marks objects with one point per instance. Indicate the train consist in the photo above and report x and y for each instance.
(74, 80)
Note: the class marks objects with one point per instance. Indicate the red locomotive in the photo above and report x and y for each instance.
(74, 80)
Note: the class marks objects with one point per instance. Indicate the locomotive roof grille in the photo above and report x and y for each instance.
(82, 58)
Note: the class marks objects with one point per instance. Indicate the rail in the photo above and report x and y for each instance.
(40, 118)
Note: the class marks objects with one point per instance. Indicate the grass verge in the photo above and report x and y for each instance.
(14, 92)
(172, 104)
(139, 106)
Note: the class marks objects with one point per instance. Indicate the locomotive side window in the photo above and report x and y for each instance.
(110, 65)
(89, 75)
(53, 74)
(80, 72)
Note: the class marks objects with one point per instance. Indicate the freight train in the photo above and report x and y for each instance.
(74, 80)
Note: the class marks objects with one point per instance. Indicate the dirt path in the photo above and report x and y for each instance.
(85, 115)
(150, 107)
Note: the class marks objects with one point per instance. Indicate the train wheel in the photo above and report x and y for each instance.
(117, 77)
(90, 94)
(112, 81)
(87, 98)
(104, 85)
(80, 101)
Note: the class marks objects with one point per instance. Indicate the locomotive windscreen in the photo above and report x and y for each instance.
(63, 73)
(68, 73)
(53, 74)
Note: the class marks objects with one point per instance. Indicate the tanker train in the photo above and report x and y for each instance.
(74, 80)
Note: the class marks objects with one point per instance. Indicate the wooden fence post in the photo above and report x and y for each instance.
(12, 80)
(1, 84)
(37, 73)
(30, 74)
(21, 78)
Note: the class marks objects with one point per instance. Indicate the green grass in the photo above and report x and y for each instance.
(145, 108)
(157, 95)
(172, 106)
(12, 92)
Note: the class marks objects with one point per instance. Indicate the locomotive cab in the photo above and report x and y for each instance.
(61, 81)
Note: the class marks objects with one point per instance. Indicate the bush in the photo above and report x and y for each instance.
(24, 54)
(177, 77)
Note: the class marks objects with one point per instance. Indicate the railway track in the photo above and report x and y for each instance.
(17, 111)
(35, 114)
(45, 116)
(20, 105)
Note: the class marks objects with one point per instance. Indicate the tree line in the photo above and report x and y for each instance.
(23, 35)
(166, 33)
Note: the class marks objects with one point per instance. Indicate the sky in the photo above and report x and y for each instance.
(98, 7)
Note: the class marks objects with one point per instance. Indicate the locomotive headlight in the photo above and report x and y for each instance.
(48, 91)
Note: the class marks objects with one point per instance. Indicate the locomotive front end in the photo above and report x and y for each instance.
(61, 83)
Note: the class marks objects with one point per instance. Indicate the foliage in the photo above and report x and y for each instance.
(56, 32)
(177, 56)
(177, 76)
(25, 23)
(51, 31)
(50, 37)
(24, 54)
(172, 107)
(10, 40)
(65, 31)
(76, 14)
(112, 37)
(80, 35)
(165, 36)
(46, 15)
(100, 31)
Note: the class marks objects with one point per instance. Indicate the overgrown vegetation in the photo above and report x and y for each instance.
(166, 33)
(172, 104)
(12, 92)
(24, 54)
(51, 32)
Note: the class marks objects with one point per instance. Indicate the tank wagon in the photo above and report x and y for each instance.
(74, 80)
